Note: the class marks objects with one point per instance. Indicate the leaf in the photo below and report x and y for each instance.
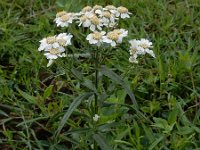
(29, 98)
(31, 120)
(101, 142)
(160, 123)
(72, 107)
(48, 91)
(153, 145)
(3, 113)
(85, 82)
(163, 124)
(112, 75)
(78, 131)
(173, 116)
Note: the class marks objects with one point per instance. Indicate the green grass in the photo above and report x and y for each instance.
(34, 98)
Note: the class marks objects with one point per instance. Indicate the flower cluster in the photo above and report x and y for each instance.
(140, 47)
(53, 46)
(97, 19)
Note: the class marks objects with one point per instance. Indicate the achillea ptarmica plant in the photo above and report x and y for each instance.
(102, 22)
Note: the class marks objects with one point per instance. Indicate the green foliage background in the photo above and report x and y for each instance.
(33, 98)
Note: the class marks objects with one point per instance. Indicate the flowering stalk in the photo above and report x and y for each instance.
(102, 23)
(96, 82)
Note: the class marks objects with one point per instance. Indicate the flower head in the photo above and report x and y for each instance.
(96, 38)
(140, 47)
(97, 9)
(96, 23)
(86, 9)
(53, 46)
(63, 18)
(96, 117)
(122, 12)
(115, 36)
(111, 9)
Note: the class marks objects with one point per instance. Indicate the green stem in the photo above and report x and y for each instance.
(96, 83)
(96, 66)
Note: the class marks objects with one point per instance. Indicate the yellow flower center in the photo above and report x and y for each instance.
(96, 35)
(95, 20)
(83, 18)
(107, 14)
(113, 35)
(86, 9)
(65, 17)
(118, 31)
(54, 51)
(144, 45)
(51, 39)
(122, 10)
(61, 42)
(97, 7)
(110, 7)
(61, 13)
(133, 50)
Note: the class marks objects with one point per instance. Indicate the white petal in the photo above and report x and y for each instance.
(125, 16)
(55, 45)
(50, 56)
(92, 27)
(50, 62)
(113, 44)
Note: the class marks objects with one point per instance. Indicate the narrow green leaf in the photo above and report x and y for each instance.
(156, 142)
(101, 142)
(31, 120)
(72, 107)
(85, 82)
(3, 113)
(173, 116)
(48, 91)
(29, 98)
(112, 75)
(160, 123)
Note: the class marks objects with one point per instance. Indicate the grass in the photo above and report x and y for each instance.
(34, 98)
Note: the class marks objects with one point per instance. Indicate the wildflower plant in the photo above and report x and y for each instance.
(104, 34)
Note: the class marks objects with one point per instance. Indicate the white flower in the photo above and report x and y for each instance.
(63, 18)
(96, 117)
(47, 43)
(86, 9)
(107, 18)
(63, 39)
(96, 23)
(84, 20)
(53, 46)
(122, 12)
(140, 47)
(111, 9)
(96, 37)
(115, 36)
(97, 9)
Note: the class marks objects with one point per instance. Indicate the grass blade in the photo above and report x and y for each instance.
(72, 107)
(101, 142)
(112, 75)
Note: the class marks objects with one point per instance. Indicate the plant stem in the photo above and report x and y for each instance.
(96, 66)
(96, 83)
